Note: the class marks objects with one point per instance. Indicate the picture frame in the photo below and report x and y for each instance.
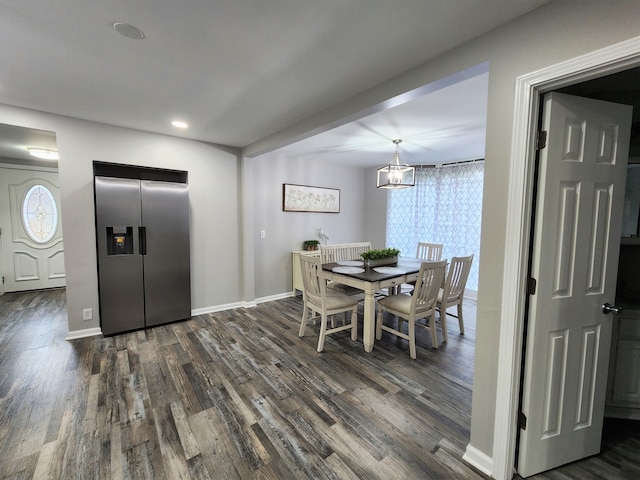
(304, 198)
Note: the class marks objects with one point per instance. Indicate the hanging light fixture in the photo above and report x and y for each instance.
(396, 174)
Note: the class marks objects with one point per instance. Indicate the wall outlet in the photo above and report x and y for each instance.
(87, 314)
(263, 234)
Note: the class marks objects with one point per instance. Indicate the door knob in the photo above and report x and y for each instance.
(607, 308)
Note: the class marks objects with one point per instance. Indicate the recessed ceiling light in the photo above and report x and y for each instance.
(43, 153)
(128, 30)
(179, 124)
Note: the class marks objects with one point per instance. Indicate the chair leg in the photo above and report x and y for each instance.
(379, 324)
(445, 331)
(412, 338)
(323, 333)
(434, 332)
(460, 320)
(303, 323)
(354, 325)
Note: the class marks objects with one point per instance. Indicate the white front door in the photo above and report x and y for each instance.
(30, 230)
(574, 260)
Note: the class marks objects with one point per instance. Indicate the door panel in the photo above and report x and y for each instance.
(165, 215)
(574, 259)
(120, 275)
(25, 263)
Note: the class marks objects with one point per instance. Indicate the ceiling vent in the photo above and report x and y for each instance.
(128, 30)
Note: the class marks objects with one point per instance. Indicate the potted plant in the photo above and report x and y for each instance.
(383, 256)
(311, 244)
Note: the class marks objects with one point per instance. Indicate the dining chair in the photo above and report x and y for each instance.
(323, 303)
(421, 303)
(452, 294)
(431, 252)
(340, 252)
(343, 251)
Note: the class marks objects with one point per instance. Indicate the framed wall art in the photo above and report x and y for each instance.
(302, 198)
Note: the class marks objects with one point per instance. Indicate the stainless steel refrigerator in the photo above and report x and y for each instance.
(142, 229)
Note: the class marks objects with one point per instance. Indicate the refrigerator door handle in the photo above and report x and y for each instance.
(142, 236)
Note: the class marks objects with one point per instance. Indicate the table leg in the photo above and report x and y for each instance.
(369, 320)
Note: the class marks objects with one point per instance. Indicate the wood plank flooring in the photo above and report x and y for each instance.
(232, 395)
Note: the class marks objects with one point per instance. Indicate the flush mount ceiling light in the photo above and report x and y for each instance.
(180, 124)
(128, 31)
(396, 174)
(43, 153)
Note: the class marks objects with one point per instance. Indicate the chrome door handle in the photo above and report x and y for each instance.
(607, 308)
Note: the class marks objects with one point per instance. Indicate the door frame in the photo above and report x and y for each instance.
(529, 89)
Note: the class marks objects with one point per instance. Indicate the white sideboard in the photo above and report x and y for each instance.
(297, 273)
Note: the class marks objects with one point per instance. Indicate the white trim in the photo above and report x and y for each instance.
(90, 332)
(87, 332)
(221, 308)
(36, 168)
(271, 298)
(529, 87)
(478, 460)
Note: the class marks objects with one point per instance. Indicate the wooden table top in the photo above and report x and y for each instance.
(407, 264)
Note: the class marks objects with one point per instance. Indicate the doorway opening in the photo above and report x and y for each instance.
(574, 258)
(31, 241)
(529, 88)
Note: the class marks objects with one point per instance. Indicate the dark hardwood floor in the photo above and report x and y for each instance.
(235, 394)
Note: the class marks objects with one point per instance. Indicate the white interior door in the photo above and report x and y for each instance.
(30, 230)
(575, 257)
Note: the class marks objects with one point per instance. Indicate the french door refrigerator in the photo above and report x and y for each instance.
(142, 229)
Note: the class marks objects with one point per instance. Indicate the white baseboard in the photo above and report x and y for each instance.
(90, 332)
(478, 460)
(221, 308)
(271, 298)
(231, 306)
(87, 332)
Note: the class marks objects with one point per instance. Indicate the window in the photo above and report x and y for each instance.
(40, 214)
(444, 207)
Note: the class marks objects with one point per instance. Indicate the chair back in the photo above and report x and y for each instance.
(457, 276)
(313, 279)
(430, 278)
(431, 252)
(343, 251)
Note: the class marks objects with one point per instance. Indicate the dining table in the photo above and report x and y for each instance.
(372, 280)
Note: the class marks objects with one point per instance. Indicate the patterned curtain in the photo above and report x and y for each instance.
(444, 207)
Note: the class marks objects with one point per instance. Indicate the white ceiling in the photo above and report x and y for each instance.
(443, 126)
(240, 70)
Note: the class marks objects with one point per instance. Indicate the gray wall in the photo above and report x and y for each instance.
(285, 231)
(215, 217)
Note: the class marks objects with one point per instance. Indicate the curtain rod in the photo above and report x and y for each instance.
(451, 163)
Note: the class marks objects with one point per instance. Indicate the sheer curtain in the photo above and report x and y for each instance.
(444, 207)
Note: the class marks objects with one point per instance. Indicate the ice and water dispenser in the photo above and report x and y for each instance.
(119, 240)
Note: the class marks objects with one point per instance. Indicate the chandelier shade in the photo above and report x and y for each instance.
(396, 174)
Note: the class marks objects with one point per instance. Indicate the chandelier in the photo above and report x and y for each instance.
(396, 174)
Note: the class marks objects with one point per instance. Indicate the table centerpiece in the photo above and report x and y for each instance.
(383, 256)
